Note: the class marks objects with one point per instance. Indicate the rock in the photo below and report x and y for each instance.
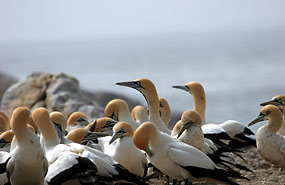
(58, 92)
(5, 82)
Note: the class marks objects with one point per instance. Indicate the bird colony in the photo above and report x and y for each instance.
(40, 147)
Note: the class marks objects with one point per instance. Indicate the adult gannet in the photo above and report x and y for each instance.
(4, 122)
(27, 164)
(270, 146)
(164, 109)
(278, 101)
(211, 131)
(5, 140)
(76, 120)
(118, 110)
(126, 153)
(148, 90)
(139, 114)
(188, 129)
(176, 159)
(69, 162)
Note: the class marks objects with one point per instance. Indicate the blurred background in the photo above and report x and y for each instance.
(236, 49)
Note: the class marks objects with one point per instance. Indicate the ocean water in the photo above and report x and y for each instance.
(238, 70)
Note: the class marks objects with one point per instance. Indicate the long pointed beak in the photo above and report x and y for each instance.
(183, 87)
(184, 127)
(110, 124)
(115, 136)
(258, 119)
(131, 84)
(94, 135)
(271, 102)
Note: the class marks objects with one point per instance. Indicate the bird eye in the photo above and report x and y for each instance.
(279, 101)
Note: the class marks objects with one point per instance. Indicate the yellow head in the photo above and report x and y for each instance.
(143, 134)
(77, 117)
(59, 118)
(113, 108)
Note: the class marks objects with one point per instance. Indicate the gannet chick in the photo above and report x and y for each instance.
(139, 114)
(278, 101)
(5, 140)
(4, 123)
(118, 110)
(148, 90)
(70, 161)
(164, 109)
(211, 131)
(270, 146)
(176, 159)
(188, 129)
(27, 164)
(76, 120)
(126, 153)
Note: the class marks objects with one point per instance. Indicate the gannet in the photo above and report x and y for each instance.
(139, 114)
(211, 131)
(176, 159)
(148, 90)
(278, 101)
(5, 140)
(118, 110)
(76, 120)
(4, 122)
(188, 129)
(126, 153)
(70, 162)
(270, 146)
(27, 164)
(164, 109)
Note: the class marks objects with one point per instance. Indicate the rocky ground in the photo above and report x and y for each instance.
(263, 172)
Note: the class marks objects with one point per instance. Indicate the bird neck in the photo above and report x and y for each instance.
(275, 121)
(200, 106)
(153, 105)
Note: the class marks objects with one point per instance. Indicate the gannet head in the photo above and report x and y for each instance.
(42, 120)
(272, 113)
(278, 101)
(19, 119)
(114, 107)
(77, 118)
(32, 124)
(194, 88)
(101, 124)
(6, 138)
(190, 118)
(59, 118)
(143, 85)
(120, 130)
(138, 112)
(77, 135)
(4, 121)
(143, 134)
(164, 110)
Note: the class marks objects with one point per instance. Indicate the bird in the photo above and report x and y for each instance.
(211, 131)
(176, 159)
(165, 112)
(139, 114)
(148, 90)
(118, 110)
(278, 101)
(5, 140)
(126, 153)
(188, 129)
(270, 146)
(76, 162)
(76, 120)
(27, 163)
(4, 122)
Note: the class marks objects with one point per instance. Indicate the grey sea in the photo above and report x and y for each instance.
(238, 70)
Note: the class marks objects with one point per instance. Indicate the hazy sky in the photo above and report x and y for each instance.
(22, 20)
